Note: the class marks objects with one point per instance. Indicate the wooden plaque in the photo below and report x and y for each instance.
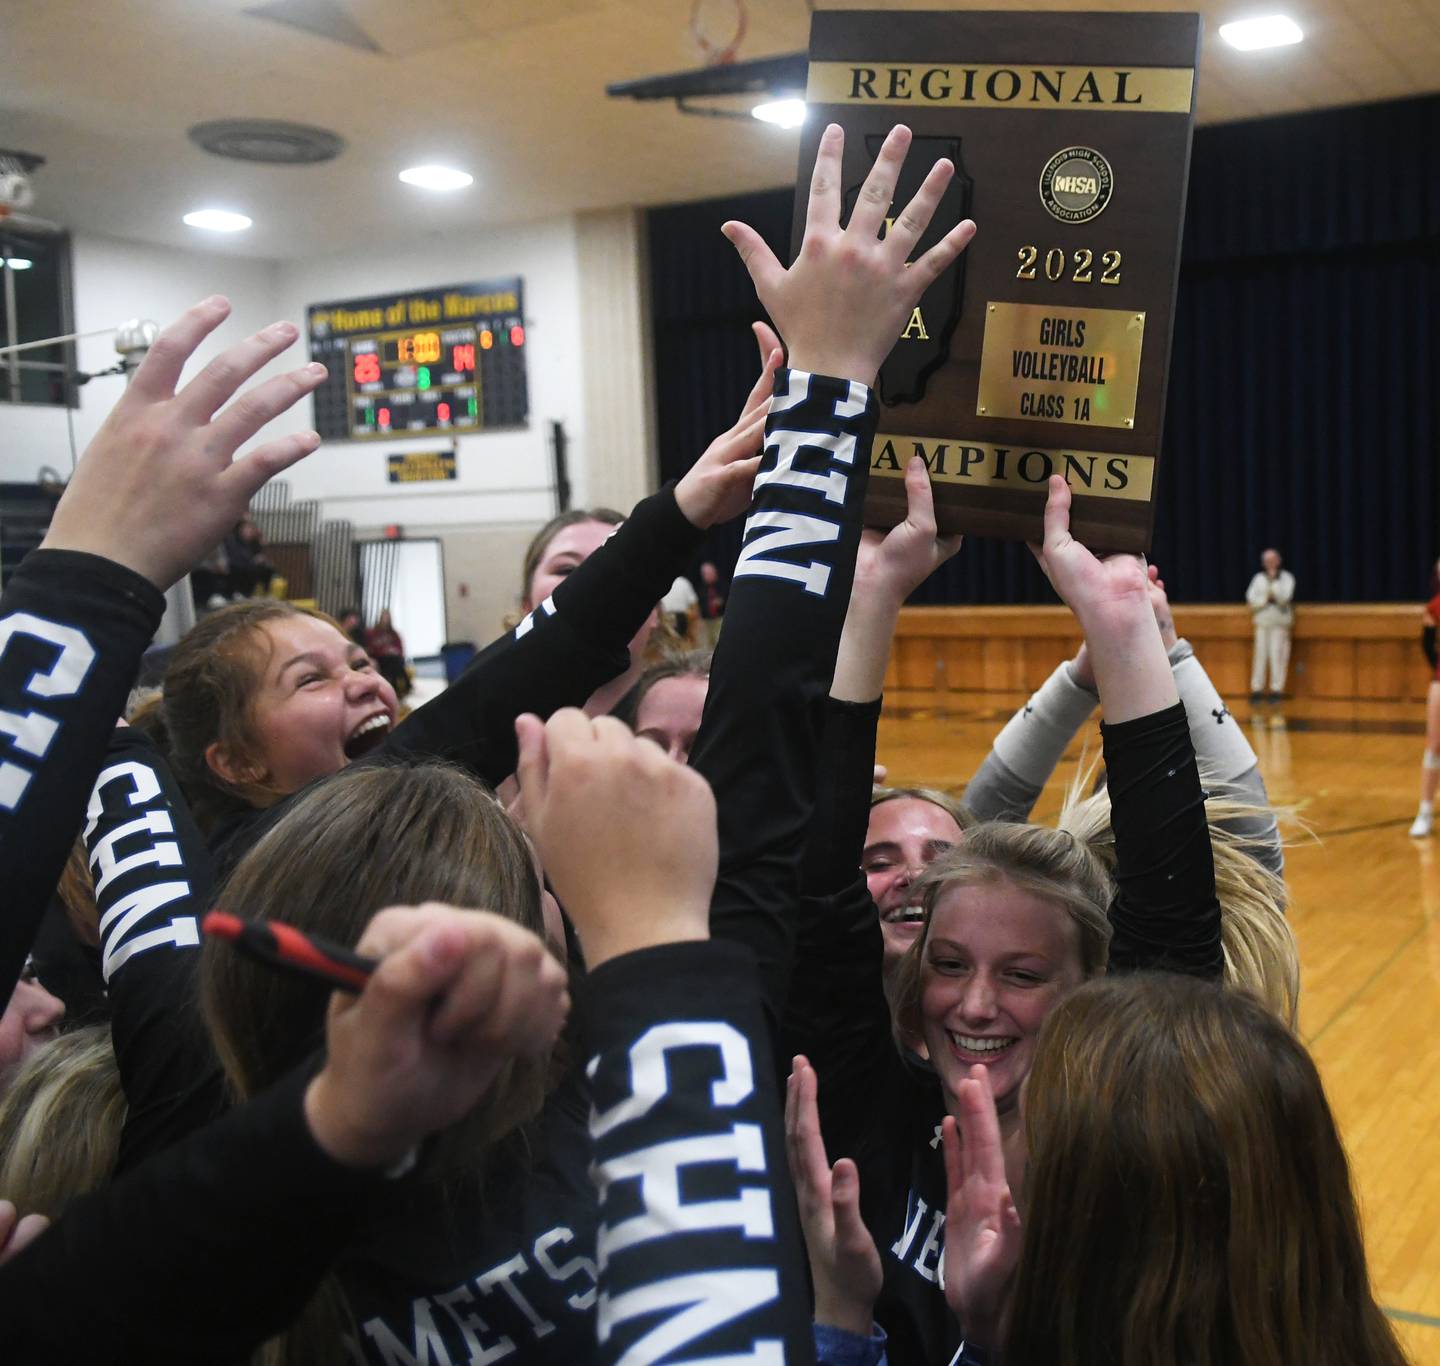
(1045, 348)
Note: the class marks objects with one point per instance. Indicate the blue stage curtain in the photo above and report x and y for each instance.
(1304, 400)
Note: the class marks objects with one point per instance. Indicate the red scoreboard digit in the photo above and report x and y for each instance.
(367, 368)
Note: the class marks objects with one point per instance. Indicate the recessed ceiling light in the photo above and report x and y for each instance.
(217, 220)
(1249, 35)
(785, 113)
(437, 178)
(18, 263)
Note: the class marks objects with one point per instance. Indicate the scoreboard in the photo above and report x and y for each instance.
(448, 361)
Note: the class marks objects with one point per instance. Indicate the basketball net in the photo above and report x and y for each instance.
(15, 188)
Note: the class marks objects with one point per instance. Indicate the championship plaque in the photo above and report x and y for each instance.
(1045, 348)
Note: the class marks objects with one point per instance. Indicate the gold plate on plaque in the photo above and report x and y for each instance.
(952, 85)
(1050, 363)
(957, 460)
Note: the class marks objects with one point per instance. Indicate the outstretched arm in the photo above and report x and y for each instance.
(153, 882)
(1165, 914)
(697, 1244)
(888, 568)
(839, 308)
(155, 489)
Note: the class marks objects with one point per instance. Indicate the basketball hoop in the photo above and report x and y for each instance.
(16, 189)
(716, 52)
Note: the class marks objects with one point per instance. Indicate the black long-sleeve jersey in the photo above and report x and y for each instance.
(153, 883)
(759, 740)
(699, 1256)
(72, 630)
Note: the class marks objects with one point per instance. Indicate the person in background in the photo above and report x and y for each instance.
(1271, 598)
(384, 646)
(353, 626)
(712, 604)
(668, 701)
(210, 580)
(249, 567)
(1430, 762)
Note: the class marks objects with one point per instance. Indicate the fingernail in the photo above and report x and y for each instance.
(215, 301)
(315, 368)
(311, 438)
(279, 332)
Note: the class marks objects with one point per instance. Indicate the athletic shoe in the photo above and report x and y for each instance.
(1421, 829)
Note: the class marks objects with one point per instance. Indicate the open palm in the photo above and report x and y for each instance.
(982, 1225)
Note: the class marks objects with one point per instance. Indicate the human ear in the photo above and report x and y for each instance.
(228, 764)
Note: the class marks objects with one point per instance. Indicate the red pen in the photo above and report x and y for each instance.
(292, 950)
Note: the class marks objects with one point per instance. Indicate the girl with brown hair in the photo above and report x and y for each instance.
(1187, 1198)
(667, 702)
(496, 1184)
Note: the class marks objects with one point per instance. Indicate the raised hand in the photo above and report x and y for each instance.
(1111, 599)
(982, 1225)
(1088, 585)
(627, 836)
(844, 1264)
(843, 303)
(457, 995)
(895, 563)
(718, 485)
(158, 486)
(889, 567)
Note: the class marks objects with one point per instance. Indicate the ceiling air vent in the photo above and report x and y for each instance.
(268, 140)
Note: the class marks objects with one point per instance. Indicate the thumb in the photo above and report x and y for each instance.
(919, 498)
(1057, 513)
(768, 341)
(758, 259)
(533, 769)
(850, 1230)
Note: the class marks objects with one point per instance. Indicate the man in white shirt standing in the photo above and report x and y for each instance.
(1271, 598)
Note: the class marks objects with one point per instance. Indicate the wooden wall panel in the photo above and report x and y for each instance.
(1341, 650)
(1380, 668)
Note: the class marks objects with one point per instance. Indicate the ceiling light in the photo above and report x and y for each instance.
(437, 178)
(217, 220)
(784, 113)
(18, 263)
(1274, 30)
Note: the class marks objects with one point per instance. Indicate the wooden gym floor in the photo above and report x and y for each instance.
(1366, 910)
